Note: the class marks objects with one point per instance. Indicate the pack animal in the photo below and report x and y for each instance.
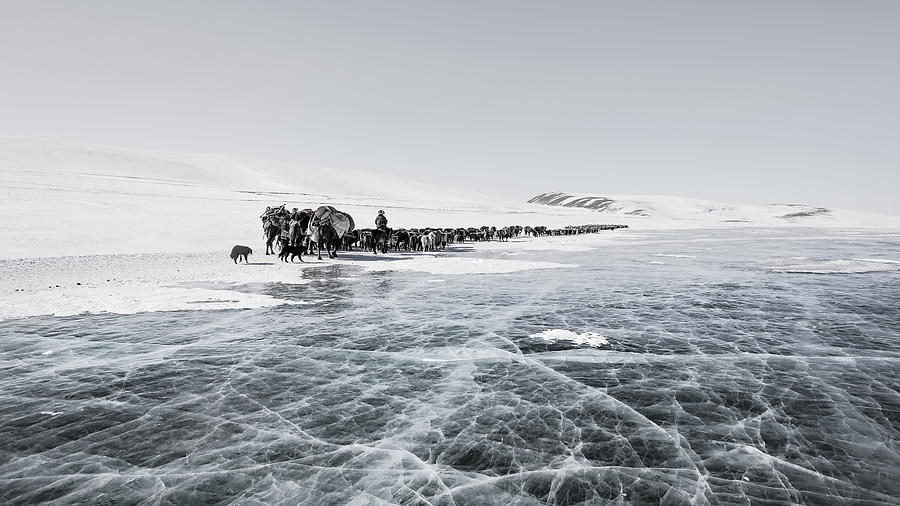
(275, 223)
(381, 238)
(326, 226)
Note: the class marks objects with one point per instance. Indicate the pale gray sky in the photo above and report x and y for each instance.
(753, 102)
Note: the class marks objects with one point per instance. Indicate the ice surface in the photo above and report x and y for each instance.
(133, 372)
(722, 382)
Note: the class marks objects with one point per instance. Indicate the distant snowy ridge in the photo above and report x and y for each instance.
(604, 204)
(680, 209)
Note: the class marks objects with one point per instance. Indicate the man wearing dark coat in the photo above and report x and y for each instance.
(381, 220)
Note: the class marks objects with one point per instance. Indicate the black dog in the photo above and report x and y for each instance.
(293, 251)
(239, 251)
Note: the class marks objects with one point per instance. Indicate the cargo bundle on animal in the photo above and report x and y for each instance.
(298, 231)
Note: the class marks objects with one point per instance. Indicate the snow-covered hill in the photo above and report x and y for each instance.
(679, 211)
(68, 199)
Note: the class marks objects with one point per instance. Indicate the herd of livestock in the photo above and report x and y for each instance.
(298, 232)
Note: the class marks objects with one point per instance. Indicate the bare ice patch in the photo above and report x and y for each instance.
(586, 338)
(459, 354)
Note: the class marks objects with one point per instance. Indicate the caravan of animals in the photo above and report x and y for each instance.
(296, 233)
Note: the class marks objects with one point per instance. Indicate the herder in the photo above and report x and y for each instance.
(381, 220)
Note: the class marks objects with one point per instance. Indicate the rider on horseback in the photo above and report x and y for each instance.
(381, 220)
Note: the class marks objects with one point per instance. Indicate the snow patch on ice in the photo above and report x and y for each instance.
(447, 265)
(570, 244)
(878, 260)
(673, 256)
(129, 299)
(853, 266)
(586, 338)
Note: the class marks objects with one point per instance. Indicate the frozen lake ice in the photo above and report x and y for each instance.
(693, 366)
